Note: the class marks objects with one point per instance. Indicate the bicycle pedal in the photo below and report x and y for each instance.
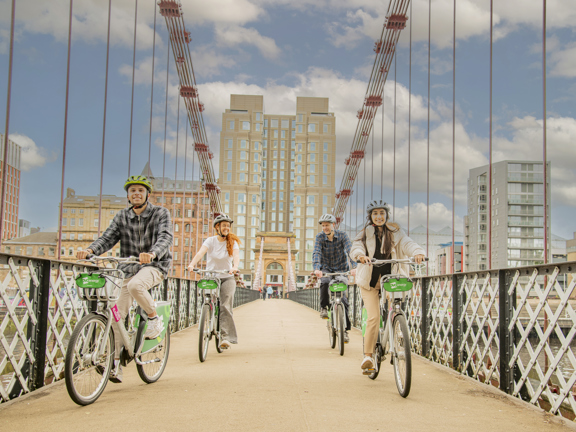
(368, 371)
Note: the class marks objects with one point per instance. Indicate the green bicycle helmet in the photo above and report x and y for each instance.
(138, 180)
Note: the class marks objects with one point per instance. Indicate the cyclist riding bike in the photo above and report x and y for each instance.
(144, 231)
(223, 254)
(379, 239)
(330, 255)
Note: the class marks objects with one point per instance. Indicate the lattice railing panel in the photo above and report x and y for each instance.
(183, 305)
(545, 321)
(414, 315)
(480, 320)
(64, 311)
(440, 318)
(192, 317)
(172, 297)
(16, 314)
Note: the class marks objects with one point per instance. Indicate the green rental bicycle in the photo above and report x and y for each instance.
(90, 353)
(393, 335)
(336, 311)
(209, 324)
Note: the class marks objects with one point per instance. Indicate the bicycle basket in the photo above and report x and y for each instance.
(397, 285)
(207, 284)
(99, 286)
(338, 287)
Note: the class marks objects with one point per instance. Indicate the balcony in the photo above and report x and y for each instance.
(526, 177)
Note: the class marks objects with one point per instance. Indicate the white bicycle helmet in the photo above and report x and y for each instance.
(377, 204)
(327, 218)
(222, 217)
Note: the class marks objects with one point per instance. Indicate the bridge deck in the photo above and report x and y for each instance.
(281, 377)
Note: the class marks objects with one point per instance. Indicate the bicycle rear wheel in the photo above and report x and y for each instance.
(89, 359)
(341, 322)
(402, 358)
(151, 372)
(331, 332)
(378, 354)
(204, 332)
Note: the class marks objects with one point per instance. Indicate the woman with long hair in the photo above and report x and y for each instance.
(382, 240)
(223, 254)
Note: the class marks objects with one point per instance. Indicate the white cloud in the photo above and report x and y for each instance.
(31, 156)
(235, 35)
(563, 61)
(439, 216)
(526, 143)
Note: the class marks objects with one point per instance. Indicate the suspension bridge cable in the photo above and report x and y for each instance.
(544, 146)
(165, 123)
(428, 140)
(152, 91)
(176, 174)
(372, 172)
(184, 218)
(382, 159)
(453, 258)
(132, 99)
(394, 156)
(104, 121)
(59, 247)
(490, 143)
(410, 113)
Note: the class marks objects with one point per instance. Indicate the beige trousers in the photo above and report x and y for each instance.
(136, 288)
(372, 305)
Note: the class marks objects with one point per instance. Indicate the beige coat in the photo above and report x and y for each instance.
(403, 247)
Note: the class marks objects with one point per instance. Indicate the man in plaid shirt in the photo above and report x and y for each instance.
(144, 231)
(330, 255)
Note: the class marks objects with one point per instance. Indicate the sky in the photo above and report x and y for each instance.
(283, 49)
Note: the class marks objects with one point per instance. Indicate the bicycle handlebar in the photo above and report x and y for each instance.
(211, 271)
(94, 258)
(377, 262)
(347, 273)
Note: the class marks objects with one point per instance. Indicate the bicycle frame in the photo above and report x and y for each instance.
(105, 309)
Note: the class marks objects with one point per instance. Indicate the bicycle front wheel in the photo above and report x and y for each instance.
(341, 322)
(89, 359)
(402, 358)
(158, 357)
(204, 332)
(331, 326)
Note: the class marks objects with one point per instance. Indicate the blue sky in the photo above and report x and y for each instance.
(284, 49)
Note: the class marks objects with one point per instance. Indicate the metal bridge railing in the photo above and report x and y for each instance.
(39, 308)
(511, 328)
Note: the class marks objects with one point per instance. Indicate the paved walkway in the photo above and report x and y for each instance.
(281, 377)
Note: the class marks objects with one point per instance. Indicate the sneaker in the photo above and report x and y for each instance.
(225, 344)
(367, 363)
(116, 375)
(323, 313)
(155, 328)
(346, 337)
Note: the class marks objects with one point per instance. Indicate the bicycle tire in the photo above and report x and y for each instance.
(402, 358)
(86, 378)
(341, 322)
(204, 332)
(331, 331)
(151, 372)
(379, 353)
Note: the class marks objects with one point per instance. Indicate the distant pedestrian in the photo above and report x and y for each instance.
(269, 291)
(264, 293)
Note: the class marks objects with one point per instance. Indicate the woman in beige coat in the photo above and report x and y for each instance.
(379, 239)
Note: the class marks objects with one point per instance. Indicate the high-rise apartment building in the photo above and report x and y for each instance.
(277, 173)
(12, 194)
(517, 230)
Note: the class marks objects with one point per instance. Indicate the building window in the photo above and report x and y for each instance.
(231, 125)
(311, 127)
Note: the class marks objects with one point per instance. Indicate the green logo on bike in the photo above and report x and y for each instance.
(338, 287)
(397, 285)
(86, 280)
(207, 284)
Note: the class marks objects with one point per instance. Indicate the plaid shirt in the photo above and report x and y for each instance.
(332, 256)
(151, 231)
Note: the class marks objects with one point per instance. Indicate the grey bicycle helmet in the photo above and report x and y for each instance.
(222, 217)
(377, 204)
(327, 218)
